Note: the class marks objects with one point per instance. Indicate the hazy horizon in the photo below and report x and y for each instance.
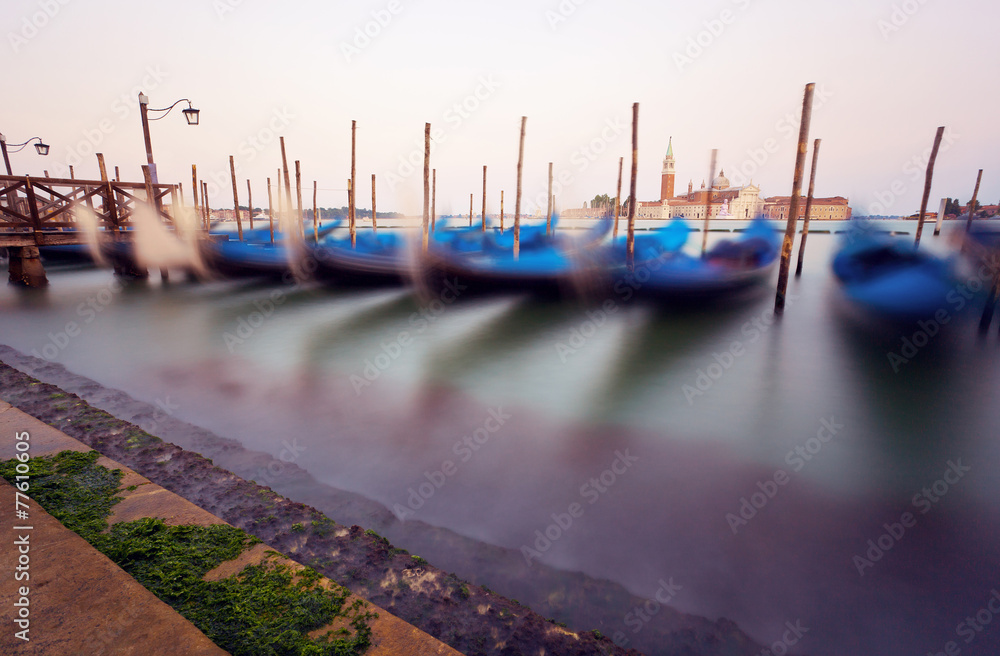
(887, 75)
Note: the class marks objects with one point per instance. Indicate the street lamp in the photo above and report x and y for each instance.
(191, 115)
(41, 147)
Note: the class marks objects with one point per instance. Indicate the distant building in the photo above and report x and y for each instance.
(587, 212)
(725, 201)
(823, 209)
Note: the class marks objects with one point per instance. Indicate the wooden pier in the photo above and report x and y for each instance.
(41, 212)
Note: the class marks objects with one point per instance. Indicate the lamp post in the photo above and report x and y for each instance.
(41, 147)
(191, 115)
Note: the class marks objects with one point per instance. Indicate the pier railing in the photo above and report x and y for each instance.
(41, 211)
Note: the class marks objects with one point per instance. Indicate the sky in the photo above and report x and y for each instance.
(721, 74)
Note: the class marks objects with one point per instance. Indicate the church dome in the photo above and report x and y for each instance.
(721, 182)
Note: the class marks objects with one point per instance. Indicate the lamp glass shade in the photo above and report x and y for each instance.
(42, 148)
(192, 115)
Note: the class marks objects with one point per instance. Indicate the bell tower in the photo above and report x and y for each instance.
(667, 181)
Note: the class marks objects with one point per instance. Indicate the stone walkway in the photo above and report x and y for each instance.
(82, 603)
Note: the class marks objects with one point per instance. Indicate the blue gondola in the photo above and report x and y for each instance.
(663, 272)
(484, 262)
(892, 279)
(376, 259)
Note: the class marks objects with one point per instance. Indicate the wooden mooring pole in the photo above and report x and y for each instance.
(140, 271)
(374, 212)
(708, 200)
(471, 206)
(809, 204)
(517, 201)
(630, 246)
(972, 203)
(250, 203)
(793, 211)
(942, 208)
(618, 198)
(194, 190)
(427, 183)
(288, 188)
(354, 173)
(501, 210)
(298, 198)
(270, 210)
(548, 211)
(350, 222)
(236, 199)
(484, 199)
(315, 212)
(205, 206)
(927, 184)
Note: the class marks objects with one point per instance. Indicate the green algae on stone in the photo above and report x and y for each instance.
(265, 609)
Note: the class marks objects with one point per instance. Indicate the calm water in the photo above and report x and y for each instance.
(706, 408)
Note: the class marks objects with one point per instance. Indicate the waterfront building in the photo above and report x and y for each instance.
(823, 209)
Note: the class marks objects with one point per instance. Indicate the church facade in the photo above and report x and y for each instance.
(722, 199)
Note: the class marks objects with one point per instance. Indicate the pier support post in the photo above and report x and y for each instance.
(26, 267)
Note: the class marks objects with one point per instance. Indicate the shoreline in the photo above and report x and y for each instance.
(584, 603)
